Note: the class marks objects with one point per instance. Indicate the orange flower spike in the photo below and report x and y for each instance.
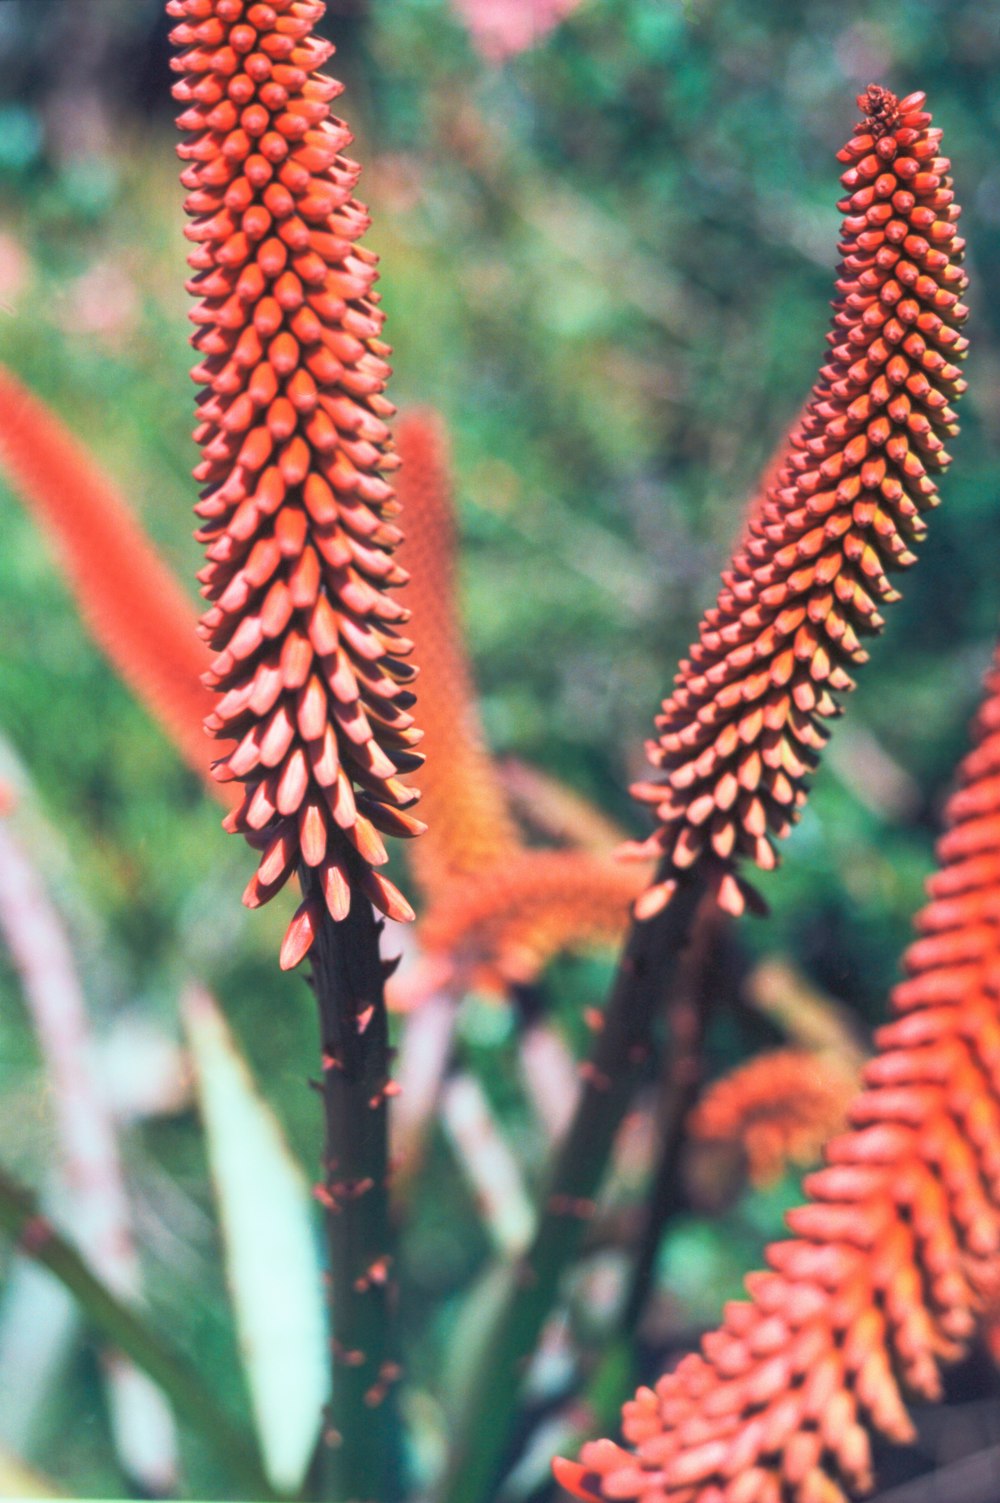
(131, 602)
(462, 799)
(779, 1108)
(296, 509)
(896, 1257)
(741, 732)
(504, 926)
(775, 471)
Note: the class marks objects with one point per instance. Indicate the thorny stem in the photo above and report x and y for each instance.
(125, 1330)
(361, 1454)
(481, 1430)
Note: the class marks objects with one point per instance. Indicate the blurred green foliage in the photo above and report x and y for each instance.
(608, 264)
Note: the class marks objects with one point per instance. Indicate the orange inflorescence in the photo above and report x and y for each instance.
(552, 810)
(896, 1257)
(779, 1109)
(500, 911)
(773, 470)
(742, 729)
(502, 927)
(133, 605)
(296, 507)
(469, 823)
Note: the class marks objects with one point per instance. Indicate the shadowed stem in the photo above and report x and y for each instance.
(687, 1019)
(361, 1454)
(481, 1431)
(970, 1479)
(699, 981)
(125, 1330)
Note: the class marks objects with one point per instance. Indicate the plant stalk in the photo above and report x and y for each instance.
(481, 1431)
(125, 1330)
(361, 1460)
(688, 1015)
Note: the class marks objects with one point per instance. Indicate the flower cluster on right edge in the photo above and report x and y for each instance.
(742, 729)
(897, 1254)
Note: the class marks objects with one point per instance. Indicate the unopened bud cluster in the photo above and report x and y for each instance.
(296, 507)
(742, 730)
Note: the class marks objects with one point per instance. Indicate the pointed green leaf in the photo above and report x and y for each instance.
(272, 1260)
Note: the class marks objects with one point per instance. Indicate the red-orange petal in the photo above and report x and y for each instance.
(299, 935)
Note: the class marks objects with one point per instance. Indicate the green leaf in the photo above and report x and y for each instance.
(467, 1347)
(272, 1261)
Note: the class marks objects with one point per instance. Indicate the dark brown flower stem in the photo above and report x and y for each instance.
(665, 1200)
(703, 975)
(362, 1442)
(126, 1330)
(481, 1429)
(687, 1019)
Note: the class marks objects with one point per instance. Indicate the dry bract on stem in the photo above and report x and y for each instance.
(742, 730)
(296, 508)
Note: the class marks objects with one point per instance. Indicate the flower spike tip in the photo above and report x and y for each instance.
(742, 730)
(296, 508)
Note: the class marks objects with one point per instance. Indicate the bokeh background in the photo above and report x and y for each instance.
(607, 261)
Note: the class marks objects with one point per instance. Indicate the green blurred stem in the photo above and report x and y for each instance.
(481, 1430)
(361, 1456)
(125, 1330)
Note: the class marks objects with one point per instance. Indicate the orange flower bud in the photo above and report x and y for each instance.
(309, 659)
(742, 730)
(895, 1260)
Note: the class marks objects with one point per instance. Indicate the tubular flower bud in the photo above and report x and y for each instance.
(773, 470)
(895, 1259)
(462, 800)
(742, 730)
(296, 508)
